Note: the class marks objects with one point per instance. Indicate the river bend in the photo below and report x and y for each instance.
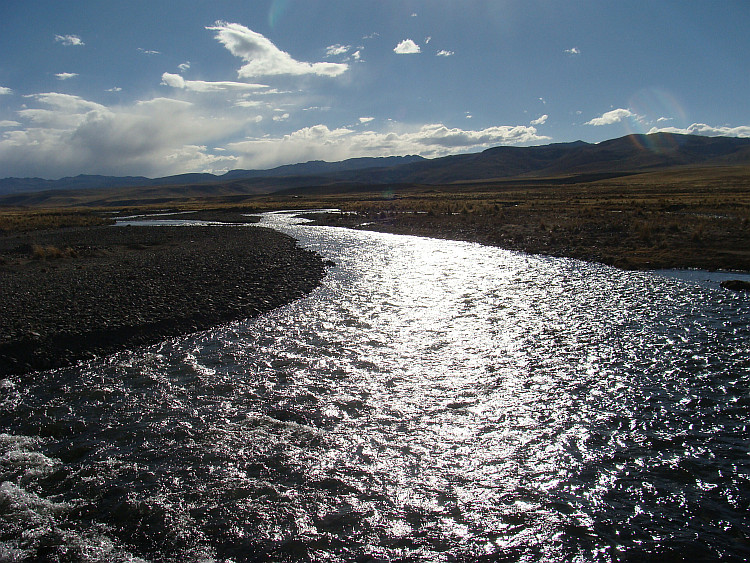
(431, 401)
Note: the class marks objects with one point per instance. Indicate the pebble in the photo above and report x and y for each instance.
(138, 286)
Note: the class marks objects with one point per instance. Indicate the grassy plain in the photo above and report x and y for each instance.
(687, 218)
(19, 220)
(696, 217)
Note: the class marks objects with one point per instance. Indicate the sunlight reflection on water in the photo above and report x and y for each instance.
(432, 400)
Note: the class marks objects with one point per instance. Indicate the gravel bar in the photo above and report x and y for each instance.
(70, 295)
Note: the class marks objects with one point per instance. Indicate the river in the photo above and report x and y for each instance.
(432, 401)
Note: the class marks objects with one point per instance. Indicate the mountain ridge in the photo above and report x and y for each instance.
(13, 185)
(578, 159)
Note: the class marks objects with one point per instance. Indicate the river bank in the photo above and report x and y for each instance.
(619, 239)
(71, 294)
(684, 218)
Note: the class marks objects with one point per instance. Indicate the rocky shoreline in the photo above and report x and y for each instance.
(72, 294)
(598, 239)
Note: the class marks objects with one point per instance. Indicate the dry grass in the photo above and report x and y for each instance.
(25, 220)
(39, 252)
(686, 218)
(690, 217)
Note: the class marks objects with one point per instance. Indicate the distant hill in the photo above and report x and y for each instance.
(633, 153)
(24, 185)
(320, 167)
(561, 162)
(83, 181)
(576, 160)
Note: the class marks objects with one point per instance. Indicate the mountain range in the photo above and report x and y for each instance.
(87, 181)
(563, 162)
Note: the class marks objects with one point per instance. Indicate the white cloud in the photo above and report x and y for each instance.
(321, 143)
(4, 91)
(335, 50)
(250, 104)
(147, 52)
(357, 55)
(114, 89)
(611, 117)
(177, 81)
(539, 120)
(65, 75)
(165, 104)
(317, 108)
(573, 51)
(62, 111)
(444, 53)
(68, 135)
(69, 40)
(195, 157)
(706, 130)
(439, 135)
(184, 66)
(427, 39)
(9, 123)
(73, 104)
(407, 47)
(263, 58)
(61, 134)
(664, 119)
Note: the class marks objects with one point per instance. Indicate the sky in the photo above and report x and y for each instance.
(156, 87)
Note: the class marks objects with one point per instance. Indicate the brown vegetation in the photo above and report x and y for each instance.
(13, 220)
(51, 252)
(685, 218)
(688, 217)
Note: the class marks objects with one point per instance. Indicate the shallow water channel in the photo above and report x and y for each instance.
(431, 401)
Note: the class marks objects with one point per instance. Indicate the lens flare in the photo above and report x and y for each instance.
(655, 108)
(276, 11)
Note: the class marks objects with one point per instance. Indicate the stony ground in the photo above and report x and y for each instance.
(68, 295)
(619, 240)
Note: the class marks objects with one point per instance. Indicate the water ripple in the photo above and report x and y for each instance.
(432, 401)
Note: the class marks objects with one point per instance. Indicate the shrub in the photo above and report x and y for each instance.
(50, 252)
(645, 232)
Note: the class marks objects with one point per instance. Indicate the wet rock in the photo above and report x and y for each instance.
(736, 285)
